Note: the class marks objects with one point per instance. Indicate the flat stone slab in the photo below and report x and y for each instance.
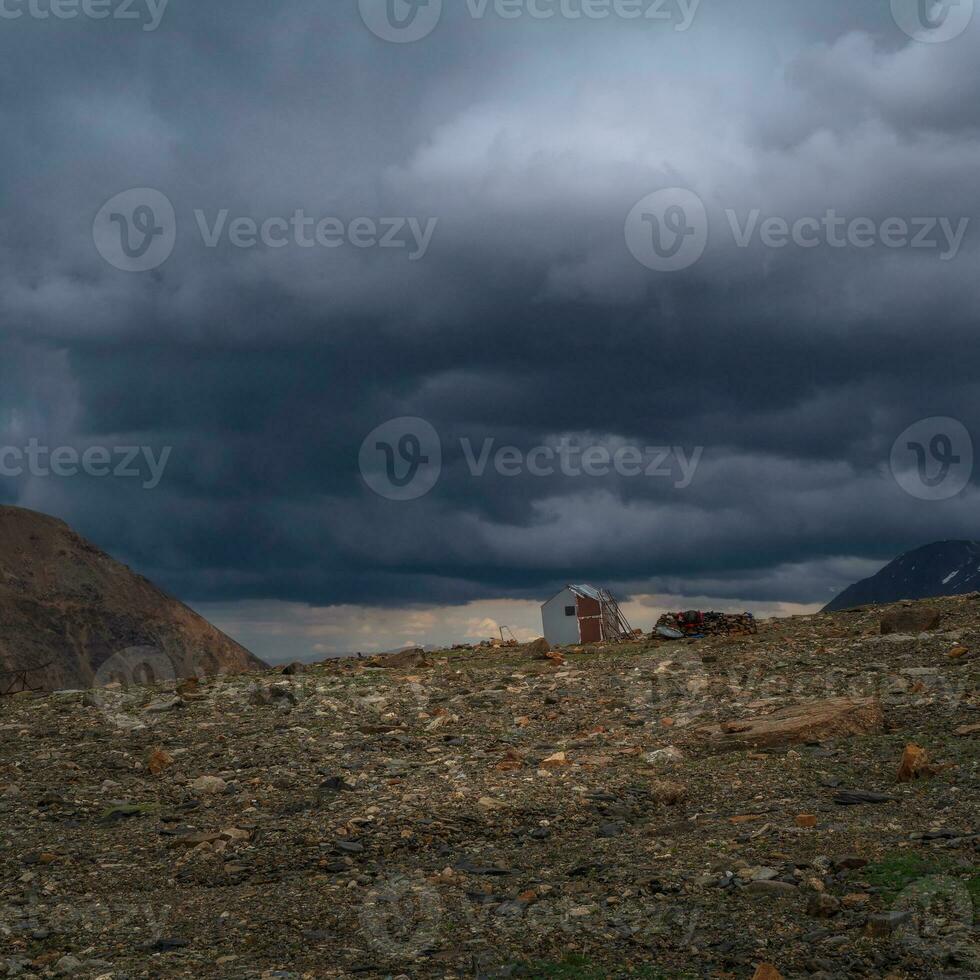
(914, 619)
(815, 721)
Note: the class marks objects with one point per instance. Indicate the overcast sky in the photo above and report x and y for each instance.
(498, 237)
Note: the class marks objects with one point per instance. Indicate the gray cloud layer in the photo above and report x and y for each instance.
(527, 319)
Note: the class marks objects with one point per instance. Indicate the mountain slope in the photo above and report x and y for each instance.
(64, 602)
(938, 569)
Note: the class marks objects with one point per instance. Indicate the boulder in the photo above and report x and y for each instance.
(823, 906)
(883, 924)
(278, 694)
(539, 649)
(399, 661)
(158, 761)
(914, 764)
(812, 722)
(209, 785)
(667, 792)
(910, 619)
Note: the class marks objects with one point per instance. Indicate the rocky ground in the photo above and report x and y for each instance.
(643, 811)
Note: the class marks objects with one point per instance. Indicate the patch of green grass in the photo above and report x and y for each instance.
(973, 887)
(579, 968)
(126, 811)
(896, 871)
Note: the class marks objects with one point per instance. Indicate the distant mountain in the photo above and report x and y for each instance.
(939, 569)
(65, 604)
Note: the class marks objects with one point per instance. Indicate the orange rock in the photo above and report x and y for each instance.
(958, 652)
(159, 761)
(553, 761)
(806, 820)
(766, 971)
(914, 764)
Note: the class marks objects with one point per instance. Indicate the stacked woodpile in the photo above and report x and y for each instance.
(696, 623)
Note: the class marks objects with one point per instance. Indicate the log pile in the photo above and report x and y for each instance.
(695, 623)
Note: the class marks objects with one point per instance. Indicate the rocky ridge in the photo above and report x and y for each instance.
(73, 617)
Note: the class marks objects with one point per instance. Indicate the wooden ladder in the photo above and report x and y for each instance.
(615, 628)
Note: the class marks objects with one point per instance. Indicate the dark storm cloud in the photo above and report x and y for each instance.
(526, 319)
